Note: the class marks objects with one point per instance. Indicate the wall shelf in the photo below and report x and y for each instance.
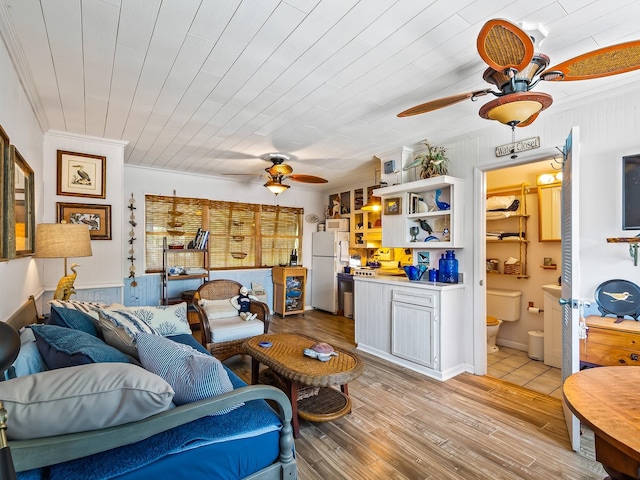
(633, 246)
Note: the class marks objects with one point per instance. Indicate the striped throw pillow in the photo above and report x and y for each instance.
(90, 308)
(192, 375)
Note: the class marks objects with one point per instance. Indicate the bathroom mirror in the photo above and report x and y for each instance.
(20, 215)
(549, 212)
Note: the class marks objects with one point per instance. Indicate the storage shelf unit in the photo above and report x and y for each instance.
(175, 254)
(365, 229)
(289, 286)
(515, 224)
(418, 207)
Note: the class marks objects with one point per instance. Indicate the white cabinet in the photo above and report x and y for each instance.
(413, 324)
(434, 205)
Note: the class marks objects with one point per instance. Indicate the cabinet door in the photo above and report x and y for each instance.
(413, 333)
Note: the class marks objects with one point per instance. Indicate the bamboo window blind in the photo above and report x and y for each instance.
(241, 235)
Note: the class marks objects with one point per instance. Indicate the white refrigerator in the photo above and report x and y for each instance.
(330, 254)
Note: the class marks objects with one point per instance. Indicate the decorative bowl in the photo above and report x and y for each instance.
(415, 272)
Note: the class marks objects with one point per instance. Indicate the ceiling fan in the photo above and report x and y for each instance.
(280, 171)
(515, 69)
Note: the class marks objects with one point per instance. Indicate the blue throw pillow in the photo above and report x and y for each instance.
(192, 375)
(72, 318)
(64, 347)
(29, 360)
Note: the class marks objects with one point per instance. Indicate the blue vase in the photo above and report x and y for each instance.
(451, 268)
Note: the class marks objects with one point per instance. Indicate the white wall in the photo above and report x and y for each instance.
(141, 181)
(19, 278)
(104, 268)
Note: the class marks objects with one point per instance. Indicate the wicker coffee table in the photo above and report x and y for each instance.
(320, 402)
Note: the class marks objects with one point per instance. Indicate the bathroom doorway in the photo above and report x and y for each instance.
(522, 256)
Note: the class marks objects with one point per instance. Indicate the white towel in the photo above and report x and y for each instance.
(344, 251)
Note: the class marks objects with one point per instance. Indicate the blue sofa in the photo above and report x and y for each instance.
(191, 440)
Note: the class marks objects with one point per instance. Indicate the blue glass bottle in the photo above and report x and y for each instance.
(451, 268)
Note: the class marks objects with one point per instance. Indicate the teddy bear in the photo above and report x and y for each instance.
(241, 303)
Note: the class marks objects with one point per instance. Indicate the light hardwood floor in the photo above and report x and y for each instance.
(407, 426)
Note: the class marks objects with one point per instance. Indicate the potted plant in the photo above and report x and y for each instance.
(433, 161)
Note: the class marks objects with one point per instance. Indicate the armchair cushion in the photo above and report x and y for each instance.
(234, 328)
(219, 308)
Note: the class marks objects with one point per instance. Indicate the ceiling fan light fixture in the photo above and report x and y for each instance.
(515, 108)
(276, 187)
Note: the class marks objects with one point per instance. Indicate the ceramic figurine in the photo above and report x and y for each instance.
(441, 205)
(322, 351)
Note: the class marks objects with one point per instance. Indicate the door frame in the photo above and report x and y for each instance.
(479, 248)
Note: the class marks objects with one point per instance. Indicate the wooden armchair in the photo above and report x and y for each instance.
(224, 331)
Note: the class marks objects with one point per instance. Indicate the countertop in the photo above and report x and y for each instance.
(406, 282)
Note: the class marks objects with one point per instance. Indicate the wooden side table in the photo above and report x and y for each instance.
(289, 286)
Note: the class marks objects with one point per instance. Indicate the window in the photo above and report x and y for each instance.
(241, 235)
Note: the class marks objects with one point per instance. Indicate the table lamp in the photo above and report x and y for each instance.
(9, 348)
(63, 240)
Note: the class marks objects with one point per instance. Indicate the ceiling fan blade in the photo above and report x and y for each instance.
(612, 60)
(529, 120)
(503, 45)
(306, 178)
(441, 103)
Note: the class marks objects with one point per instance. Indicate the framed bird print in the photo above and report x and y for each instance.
(97, 217)
(81, 175)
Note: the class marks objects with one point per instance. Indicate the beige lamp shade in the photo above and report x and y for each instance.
(62, 240)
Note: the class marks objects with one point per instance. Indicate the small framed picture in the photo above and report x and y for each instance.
(424, 258)
(392, 206)
(81, 175)
(98, 217)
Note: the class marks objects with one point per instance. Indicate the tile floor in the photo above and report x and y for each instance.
(514, 366)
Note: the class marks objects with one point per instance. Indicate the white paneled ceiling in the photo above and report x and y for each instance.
(207, 86)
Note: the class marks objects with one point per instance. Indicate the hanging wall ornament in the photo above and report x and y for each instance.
(132, 235)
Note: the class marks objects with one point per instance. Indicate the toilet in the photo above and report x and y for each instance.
(502, 306)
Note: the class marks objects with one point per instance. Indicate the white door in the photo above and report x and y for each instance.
(570, 274)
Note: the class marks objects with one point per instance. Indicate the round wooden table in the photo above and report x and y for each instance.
(285, 358)
(606, 399)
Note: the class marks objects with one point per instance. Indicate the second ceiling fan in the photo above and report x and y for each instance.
(515, 69)
(280, 171)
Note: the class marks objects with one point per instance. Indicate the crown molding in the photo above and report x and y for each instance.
(22, 67)
(85, 138)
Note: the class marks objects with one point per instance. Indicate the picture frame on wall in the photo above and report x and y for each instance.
(97, 217)
(81, 175)
(392, 206)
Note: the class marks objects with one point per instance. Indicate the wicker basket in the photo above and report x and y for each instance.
(512, 268)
